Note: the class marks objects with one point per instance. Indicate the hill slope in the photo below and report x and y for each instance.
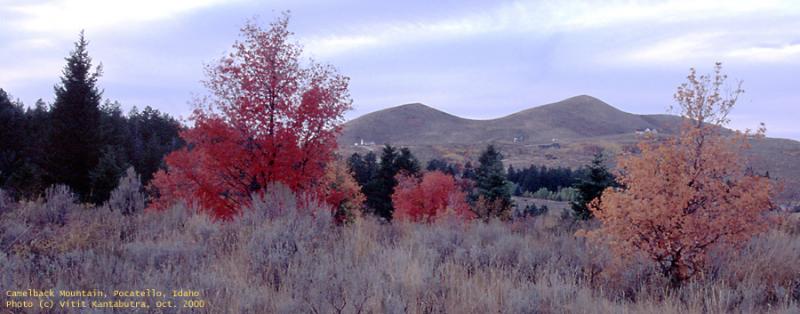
(576, 117)
(579, 125)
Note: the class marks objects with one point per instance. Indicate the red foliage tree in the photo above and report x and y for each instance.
(428, 198)
(269, 119)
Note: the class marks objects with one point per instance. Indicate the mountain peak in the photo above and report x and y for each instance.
(582, 102)
(413, 107)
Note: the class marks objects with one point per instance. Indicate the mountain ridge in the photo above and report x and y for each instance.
(579, 116)
(564, 133)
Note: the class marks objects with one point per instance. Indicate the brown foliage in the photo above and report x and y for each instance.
(684, 195)
(342, 192)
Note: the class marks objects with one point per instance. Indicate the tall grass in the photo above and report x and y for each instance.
(283, 257)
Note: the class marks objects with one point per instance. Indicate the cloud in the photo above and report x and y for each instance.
(66, 17)
(751, 46)
(545, 18)
(18, 74)
(789, 52)
(677, 50)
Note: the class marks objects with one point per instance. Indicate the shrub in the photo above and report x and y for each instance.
(58, 201)
(531, 210)
(5, 202)
(128, 197)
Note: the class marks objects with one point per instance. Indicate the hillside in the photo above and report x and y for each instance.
(576, 117)
(565, 133)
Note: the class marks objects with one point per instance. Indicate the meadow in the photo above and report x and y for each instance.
(285, 256)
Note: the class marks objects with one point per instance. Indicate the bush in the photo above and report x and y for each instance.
(285, 254)
(58, 201)
(562, 195)
(5, 202)
(531, 210)
(128, 197)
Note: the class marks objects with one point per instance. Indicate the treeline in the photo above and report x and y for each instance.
(78, 141)
(397, 175)
(535, 178)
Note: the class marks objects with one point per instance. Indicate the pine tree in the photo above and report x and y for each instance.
(379, 190)
(364, 168)
(114, 137)
(443, 166)
(597, 180)
(407, 163)
(494, 193)
(469, 171)
(75, 137)
(12, 140)
(107, 173)
(152, 136)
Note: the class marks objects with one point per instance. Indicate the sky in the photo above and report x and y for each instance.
(475, 59)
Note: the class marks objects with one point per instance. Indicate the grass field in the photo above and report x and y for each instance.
(280, 257)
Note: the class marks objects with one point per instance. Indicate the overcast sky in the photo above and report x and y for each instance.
(476, 59)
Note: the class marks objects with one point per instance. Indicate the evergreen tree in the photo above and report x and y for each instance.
(469, 171)
(364, 168)
(12, 140)
(113, 137)
(494, 193)
(379, 190)
(598, 178)
(443, 166)
(35, 178)
(407, 163)
(152, 135)
(75, 139)
(106, 174)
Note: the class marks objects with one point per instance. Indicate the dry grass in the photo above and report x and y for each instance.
(278, 258)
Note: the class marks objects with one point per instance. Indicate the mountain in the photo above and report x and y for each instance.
(566, 133)
(576, 117)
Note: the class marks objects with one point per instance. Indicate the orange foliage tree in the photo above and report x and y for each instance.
(269, 119)
(428, 198)
(342, 192)
(682, 195)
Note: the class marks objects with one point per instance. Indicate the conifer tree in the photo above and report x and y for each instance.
(597, 180)
(379, 191)
(74, 140)
(494, 194)
(12, 126)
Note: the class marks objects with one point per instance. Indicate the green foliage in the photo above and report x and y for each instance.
(75, 138)
(105, 175)
(562, 195)
(364, 168)
(78, 142)
(534, 178)
(598, 178)
(12, 135)
(379, 190)
(443, 166)
(491, 183)
(531, 210)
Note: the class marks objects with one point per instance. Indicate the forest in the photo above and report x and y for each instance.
(250, 203)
